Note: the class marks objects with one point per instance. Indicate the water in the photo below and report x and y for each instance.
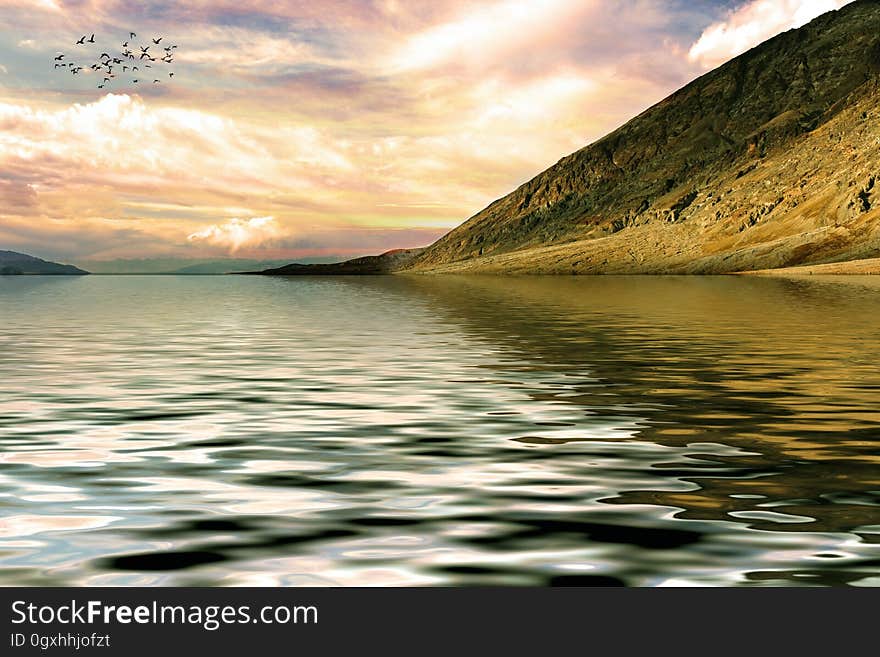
(428, 430)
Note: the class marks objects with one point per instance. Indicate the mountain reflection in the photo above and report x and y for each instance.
(784, 370)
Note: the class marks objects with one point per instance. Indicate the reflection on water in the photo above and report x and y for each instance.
(422, 430)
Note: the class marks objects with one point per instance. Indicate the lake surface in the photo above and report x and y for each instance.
(227, 430)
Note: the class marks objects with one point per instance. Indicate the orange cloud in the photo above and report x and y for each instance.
(237, 233)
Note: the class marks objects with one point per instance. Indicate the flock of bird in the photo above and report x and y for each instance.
(136, 62)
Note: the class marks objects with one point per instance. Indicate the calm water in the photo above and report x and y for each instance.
(420, 431)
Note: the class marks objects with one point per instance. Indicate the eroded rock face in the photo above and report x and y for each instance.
(770, 160)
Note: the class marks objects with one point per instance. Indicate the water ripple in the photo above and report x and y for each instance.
(421, 431)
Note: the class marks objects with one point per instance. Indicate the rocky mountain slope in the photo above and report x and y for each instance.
(12, 263)
(771, 160)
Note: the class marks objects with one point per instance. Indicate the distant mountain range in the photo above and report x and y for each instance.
(187, 265)
(772, 160)
(12, 263)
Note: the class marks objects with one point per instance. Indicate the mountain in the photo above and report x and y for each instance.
(186, 265)
(772, 160)
(385, 263)
(19, 263)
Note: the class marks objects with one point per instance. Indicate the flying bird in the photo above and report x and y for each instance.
(123, 58)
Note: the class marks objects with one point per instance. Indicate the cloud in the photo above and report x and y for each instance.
(61, 239)
(121, 141)
(484, 32)
(237, 233)
(355, 125)
(237, 50)
(44, 5)
(753, 23)
(17, 196)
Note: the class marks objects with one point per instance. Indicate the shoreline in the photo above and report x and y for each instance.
(866, 267)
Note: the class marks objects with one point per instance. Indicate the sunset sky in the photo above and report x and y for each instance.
(340, 127)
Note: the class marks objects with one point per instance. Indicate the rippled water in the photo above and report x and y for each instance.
(439, 430)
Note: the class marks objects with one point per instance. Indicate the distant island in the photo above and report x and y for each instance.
(770, 161)
(18, 264)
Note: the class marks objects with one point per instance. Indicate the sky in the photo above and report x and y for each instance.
(334, 128)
